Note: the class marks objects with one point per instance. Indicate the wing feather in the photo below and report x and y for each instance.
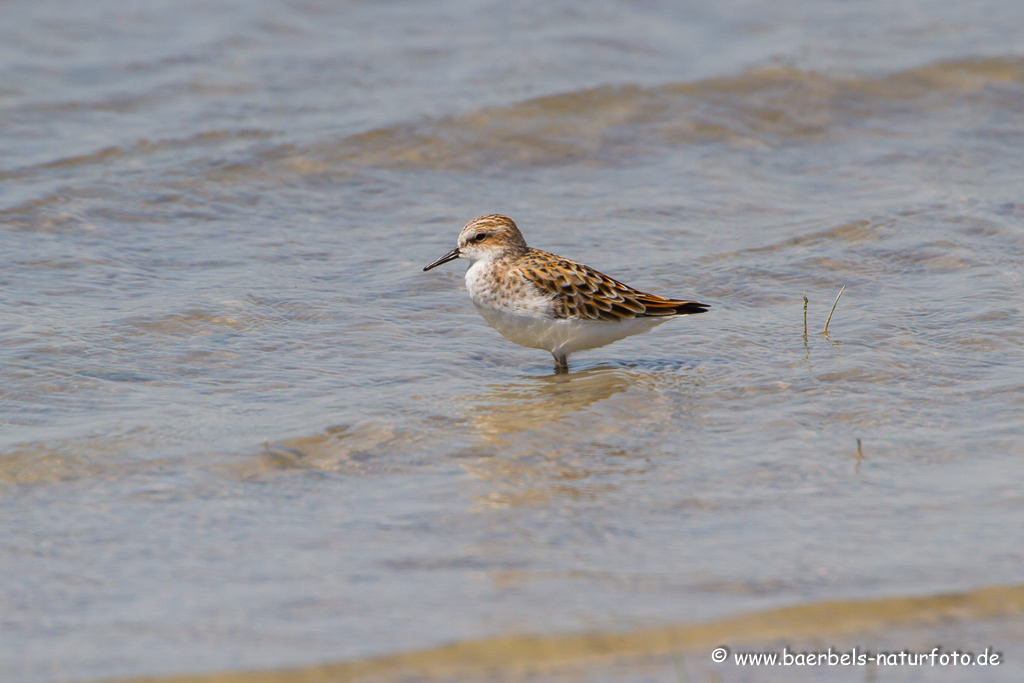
(580, 292)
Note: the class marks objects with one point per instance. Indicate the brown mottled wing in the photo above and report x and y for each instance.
(584, 293)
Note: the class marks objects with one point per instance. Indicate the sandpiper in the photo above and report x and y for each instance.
(543, 301)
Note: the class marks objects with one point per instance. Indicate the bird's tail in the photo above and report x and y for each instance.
(655, 305)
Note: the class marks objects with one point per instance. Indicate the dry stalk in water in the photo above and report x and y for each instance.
(805, 316)
(825, 330)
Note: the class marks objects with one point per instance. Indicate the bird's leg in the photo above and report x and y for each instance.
(561, 362)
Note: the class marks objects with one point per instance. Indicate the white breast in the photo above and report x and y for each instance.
(524, 315)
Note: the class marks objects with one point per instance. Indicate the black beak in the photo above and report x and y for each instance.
(450, 256)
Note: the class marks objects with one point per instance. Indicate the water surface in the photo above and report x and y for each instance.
(243, 430)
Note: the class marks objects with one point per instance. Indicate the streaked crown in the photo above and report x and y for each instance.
(491, 237)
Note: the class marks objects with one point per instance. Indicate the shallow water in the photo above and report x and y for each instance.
(242, 429)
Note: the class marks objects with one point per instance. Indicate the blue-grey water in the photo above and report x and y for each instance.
(240, 428)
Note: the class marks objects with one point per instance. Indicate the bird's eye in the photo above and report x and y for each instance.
(480, 236)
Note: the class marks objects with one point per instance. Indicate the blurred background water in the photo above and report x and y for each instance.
(242, 429)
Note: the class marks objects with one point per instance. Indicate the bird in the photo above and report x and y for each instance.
(543, 301)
